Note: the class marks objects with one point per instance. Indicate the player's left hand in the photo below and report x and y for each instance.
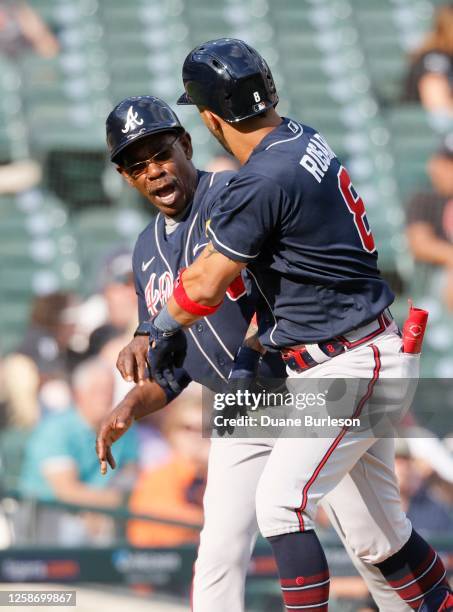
(167, 351)
(242, 377)
(245, 366)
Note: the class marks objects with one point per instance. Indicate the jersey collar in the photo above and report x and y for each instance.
(287, 130)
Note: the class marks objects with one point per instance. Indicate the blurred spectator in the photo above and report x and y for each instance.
(47, 337)
(21, 388)
(154, 448)
(21, 28)
(3, 397)
(430, 78)
(60, 462)
(101, 337)
(220, 163)
(19, 176)
(174, 490)
(5, 532)
(430, 216)
(448, 442)
(106, 342)
(37, 370)
(115, 304)
(427, 514)
(424, 444)
(119, 292)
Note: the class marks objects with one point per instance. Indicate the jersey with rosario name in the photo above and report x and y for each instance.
(159, 256)
(292, 214)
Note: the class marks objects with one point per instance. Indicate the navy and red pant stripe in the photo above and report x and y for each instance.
(338, 439)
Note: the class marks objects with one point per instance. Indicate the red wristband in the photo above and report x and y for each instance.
(184, 301)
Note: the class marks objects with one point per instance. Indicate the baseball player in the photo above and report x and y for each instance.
(292, 216)
(153, 152)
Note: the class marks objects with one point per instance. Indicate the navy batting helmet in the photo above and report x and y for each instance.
(229, 78)
(137, 117)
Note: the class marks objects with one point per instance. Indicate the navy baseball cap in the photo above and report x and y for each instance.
(135, 118)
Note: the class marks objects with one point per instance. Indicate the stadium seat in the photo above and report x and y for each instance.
(39, 255)
(413, 140)
(100, 232)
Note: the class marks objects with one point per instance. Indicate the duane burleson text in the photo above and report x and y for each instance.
(268, 421)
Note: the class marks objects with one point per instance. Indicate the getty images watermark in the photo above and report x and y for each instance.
(253, 401)
(317, 408)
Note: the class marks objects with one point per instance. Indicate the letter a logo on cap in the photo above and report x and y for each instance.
(132, 121)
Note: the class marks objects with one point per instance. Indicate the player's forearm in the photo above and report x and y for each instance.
(144, 400)
(200, 290)
(426, 246)
(205, 283)
(184, 318)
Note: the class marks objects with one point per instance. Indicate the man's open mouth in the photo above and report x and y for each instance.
(165, 194)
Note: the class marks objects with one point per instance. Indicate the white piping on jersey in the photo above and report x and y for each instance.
(198, 246)
(158, 245)
(228, 248)
(209, 324)
(269, 306)
(206, 357)
(212, 178)
(186, 250)
(286, 139)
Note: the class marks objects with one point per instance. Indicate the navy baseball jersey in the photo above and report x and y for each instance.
(292, 214)
(158, 257)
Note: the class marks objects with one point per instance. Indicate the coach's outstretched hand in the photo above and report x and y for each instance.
(112, 428)
(132, 362)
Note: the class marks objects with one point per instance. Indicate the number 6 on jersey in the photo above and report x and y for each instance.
(357, 209)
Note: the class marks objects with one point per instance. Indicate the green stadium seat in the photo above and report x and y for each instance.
(101, 231)
(413, 141)
(39, 254)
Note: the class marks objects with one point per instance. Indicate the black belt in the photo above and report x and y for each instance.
(306, 356)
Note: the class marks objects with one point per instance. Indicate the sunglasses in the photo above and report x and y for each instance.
(161, 157)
